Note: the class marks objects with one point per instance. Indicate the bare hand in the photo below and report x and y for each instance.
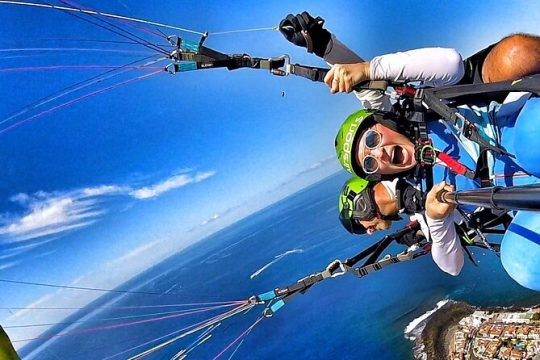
(342, 77)
(436, 209)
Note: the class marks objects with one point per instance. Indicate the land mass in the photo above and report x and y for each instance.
(460, 331)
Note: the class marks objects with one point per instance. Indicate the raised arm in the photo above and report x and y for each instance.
(446, 247)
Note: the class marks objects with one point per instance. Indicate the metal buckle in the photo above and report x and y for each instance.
(287, 65)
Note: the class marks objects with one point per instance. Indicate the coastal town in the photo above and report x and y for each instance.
(496, 335)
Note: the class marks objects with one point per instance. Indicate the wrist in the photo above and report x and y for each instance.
(321, 42)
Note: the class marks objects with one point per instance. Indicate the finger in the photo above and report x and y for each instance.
(335, 84)
(307, 18)
(302, 21)
(294, 22)
(342, 86)
(348, 84)
(329, 77)
(440, 186)
(319, 20)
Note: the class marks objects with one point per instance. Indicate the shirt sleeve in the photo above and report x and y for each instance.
(446, 247)
(432, 66)
(338, 53)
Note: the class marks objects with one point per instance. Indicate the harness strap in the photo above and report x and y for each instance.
(459, 122)
(455, 165)
(528, 84)
(314, 73)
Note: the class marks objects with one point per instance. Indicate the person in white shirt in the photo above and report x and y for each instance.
(367, 207)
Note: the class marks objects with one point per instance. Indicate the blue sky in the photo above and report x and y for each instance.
(98, 191)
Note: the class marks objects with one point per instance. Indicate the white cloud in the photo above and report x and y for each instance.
(51, 214)
(171, 183)
(212, 219)
(104, 190)
(46, 214)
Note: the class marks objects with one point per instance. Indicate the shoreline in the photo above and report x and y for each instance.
(435, 337)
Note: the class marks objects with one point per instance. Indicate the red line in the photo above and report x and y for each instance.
(76, 67)
(115, 326)
(71, 102)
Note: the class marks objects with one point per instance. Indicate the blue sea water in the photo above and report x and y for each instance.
(342, 318)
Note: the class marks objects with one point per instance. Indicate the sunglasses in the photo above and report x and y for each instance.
(372, 139)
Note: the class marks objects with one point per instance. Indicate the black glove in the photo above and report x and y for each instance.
(305, 31)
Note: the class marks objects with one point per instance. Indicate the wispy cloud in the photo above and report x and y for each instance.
(46, 214)
(174, 182)
(328, 161)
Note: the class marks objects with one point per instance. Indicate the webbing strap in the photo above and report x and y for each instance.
(459, 122)
(528, 84)
(455, 165)
(314, 73)
(409, 254)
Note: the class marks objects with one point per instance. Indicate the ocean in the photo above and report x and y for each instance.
(341, 318)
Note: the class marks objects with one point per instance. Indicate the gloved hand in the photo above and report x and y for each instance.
(305, 31)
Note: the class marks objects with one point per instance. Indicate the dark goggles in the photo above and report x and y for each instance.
(364, 209)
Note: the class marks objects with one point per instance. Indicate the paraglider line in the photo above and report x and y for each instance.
(245, 333)
(118, 32)
(78, 86)
(244, 30)
(76, 67)
(112, 318)
(71, 102)
(55, 7)
(200, 324)
(79, 287)
(122, 21)
(121, 325)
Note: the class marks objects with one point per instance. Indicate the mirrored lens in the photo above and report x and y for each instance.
(370, 164)
(373, 139)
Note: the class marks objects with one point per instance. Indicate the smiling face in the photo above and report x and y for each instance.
(393, 154)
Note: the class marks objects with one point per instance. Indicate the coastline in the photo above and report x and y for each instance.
(439, 327)
(434, 332)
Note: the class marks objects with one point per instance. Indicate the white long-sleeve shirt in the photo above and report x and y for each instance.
(434, 67)
(446, 249)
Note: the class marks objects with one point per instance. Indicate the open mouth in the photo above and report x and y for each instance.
(398, 155)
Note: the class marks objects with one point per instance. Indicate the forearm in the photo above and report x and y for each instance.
(338, 53)
(432, 66)
(446, 248)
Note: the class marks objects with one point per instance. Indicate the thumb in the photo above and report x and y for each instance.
(440, 186)
(329, 76)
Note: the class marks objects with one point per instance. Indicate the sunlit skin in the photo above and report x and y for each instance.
(376, 224)
(385, 206)
(395, 152)
(388, 206)
(512, 58)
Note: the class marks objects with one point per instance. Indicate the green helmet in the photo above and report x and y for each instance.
(348, 136)
(356, 203)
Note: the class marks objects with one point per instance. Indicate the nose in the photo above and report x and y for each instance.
(382, 152)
